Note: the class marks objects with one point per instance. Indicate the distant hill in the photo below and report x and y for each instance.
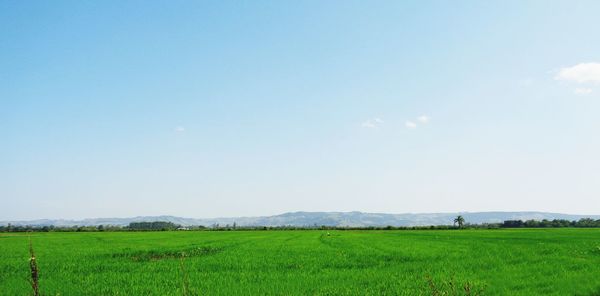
(356, 219)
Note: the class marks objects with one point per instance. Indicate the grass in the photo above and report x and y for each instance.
(468, 262)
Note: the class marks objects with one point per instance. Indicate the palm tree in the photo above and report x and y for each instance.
(460, 220)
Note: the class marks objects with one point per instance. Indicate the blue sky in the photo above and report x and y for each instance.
(230, 108)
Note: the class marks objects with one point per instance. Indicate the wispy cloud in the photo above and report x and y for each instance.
(410, 124)
(376, 122)
(423, 119)
(582, 91)
(580, 73)
(372, 123)
(179, 129)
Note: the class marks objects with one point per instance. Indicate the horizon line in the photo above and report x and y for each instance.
(291, 212)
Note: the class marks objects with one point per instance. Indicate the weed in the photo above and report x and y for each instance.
(35, 285)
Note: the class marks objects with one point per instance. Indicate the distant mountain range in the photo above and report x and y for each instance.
(354, 219)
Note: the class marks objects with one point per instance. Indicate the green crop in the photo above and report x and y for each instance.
(312, 262)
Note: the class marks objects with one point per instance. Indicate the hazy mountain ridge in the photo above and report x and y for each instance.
(356, 219)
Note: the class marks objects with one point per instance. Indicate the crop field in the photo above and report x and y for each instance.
(312, 262)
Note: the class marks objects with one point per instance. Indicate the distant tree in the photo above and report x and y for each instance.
(532, 223)
(515, 223)
(586, 222)
(156, 225)
(561, 223)
(460, 220)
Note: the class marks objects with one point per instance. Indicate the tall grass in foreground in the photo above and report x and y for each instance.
(34, 270)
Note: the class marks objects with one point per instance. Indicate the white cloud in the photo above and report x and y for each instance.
(372, 123)
(410, 124)
(423, 119)
(582, 91)
(580, 73)
(179, 129)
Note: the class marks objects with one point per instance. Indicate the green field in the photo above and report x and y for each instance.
(499, 262)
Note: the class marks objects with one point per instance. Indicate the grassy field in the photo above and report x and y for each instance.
(493, 262)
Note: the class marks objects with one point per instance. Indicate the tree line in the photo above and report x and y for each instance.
(556, 223)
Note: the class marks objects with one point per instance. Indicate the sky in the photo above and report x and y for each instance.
(245, 108)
